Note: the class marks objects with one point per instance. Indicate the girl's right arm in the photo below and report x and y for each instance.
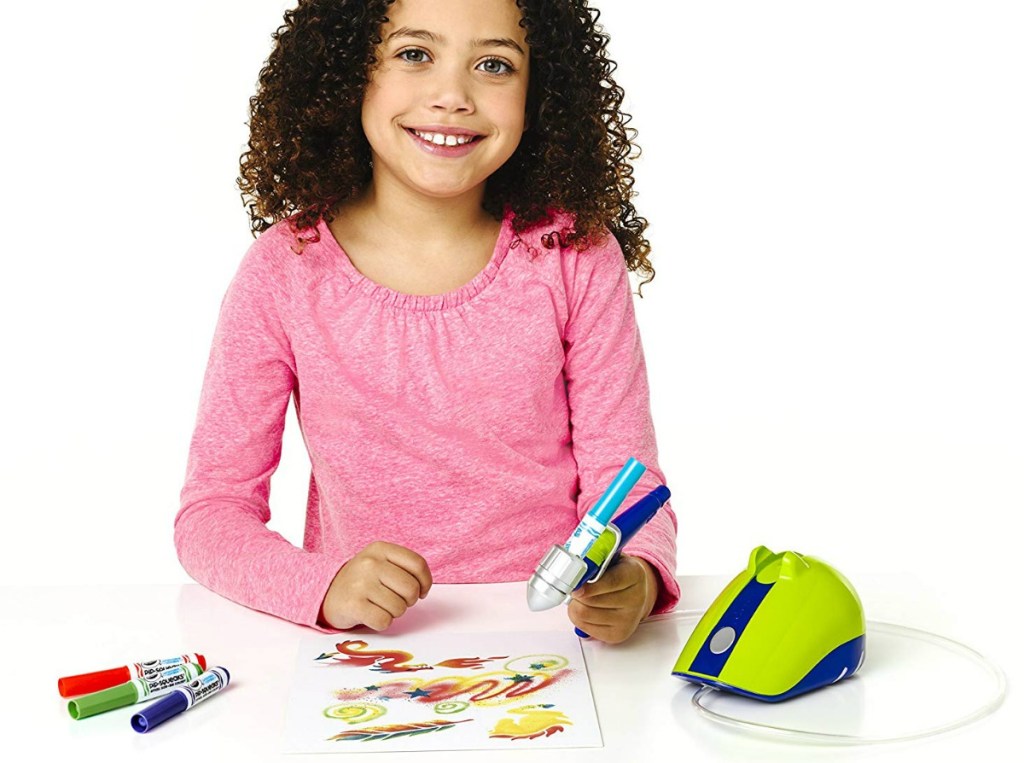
(220, 531)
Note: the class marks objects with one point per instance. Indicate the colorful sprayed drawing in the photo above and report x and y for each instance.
(532, 721)
(394, 731)
(355, 652)
(424, 693)
(520, 677)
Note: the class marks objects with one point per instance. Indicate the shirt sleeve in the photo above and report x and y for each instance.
(220, 530)
(609, 401)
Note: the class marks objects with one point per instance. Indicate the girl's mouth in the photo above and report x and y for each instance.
(440, 144)
(441, 139)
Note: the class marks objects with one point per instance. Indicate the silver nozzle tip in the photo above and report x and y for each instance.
(555, 579)
(541, 596)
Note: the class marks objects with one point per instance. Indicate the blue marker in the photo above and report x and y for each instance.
(594, 521)
(181, 699)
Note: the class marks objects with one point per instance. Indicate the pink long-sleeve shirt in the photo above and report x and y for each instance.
(474, 427)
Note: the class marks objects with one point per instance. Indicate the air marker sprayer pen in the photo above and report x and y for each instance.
(563, 567)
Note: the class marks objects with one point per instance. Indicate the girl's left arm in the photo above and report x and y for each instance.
(609, 401)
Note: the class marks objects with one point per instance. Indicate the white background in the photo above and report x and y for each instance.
(834, 336)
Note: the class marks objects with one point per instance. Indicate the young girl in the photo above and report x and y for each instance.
(442, 192)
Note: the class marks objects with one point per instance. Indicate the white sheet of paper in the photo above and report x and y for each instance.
(451, 691)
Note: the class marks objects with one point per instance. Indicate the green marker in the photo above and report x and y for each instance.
(131, 692)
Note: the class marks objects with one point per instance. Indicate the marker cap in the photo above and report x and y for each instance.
(160, 711)
(616, 492)
(101, 701)
(87, 683)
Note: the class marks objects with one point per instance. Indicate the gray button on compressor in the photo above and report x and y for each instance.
(722, 640)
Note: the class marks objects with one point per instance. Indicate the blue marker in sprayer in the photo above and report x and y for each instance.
(562, 569)
(594, 521)
(605, 550)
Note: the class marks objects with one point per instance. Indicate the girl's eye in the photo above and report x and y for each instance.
(413, 55)
(497, 66)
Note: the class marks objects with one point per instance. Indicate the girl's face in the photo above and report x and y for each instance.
(446, 107)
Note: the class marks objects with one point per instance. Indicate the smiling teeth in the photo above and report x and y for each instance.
(444, 140)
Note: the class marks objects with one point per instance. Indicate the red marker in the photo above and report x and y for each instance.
(86, 683)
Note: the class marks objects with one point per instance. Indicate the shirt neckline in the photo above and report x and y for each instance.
(422, 302)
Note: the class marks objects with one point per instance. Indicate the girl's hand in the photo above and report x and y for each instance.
(375, 586)
(612, 608)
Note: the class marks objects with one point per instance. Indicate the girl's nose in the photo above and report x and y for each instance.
(450, 90)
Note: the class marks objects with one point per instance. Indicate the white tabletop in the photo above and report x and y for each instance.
(644, 711)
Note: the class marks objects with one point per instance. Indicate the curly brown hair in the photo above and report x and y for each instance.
(307, 152)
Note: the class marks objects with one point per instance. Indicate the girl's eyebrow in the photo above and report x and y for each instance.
(423, 34)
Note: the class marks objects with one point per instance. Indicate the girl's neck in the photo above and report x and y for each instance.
(413, 217)
(423, 247)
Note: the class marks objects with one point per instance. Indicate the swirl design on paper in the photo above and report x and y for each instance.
(355, 712)
(448, 708)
